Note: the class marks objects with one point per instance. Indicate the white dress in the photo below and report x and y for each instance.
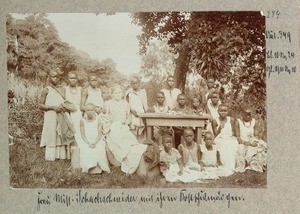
(121, 142)
(171, 97)
(75, 99)
(209, 157)
(91, 157)
(227, 145)
(94, 96)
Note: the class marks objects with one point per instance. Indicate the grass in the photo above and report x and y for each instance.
(28, 169)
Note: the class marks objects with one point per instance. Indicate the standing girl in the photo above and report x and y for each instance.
(50, 102)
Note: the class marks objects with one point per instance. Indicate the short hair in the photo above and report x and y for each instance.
(214, 93)
(181, 95)
(208, 133)
(188, 129)
(166, 135)
(246, 107)
(170, 76)
(222, 105)
(160, 92)
(73, 72)
(210, 78)
(90, 104)
(92, 75)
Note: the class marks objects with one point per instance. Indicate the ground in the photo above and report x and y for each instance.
(28, 169)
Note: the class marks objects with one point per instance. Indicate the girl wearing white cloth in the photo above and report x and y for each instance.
(227, 144)
(90, 141)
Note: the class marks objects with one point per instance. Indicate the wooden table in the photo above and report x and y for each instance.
(156, 119)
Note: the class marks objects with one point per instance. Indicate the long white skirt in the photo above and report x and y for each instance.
(125, 147)
(91, 157)
(227, 147)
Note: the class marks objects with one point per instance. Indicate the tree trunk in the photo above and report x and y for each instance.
(181, 69)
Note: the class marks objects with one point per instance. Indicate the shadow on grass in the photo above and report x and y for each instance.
(28, 169)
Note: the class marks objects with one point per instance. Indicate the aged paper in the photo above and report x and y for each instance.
(281, 193)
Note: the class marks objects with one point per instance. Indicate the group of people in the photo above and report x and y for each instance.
(97, 134)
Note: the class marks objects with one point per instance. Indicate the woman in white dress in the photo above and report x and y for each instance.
(122, 143)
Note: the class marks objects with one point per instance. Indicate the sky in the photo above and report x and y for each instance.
(101, 37)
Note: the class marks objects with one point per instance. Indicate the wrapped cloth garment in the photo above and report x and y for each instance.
(250, 157)
(50, 138)
(138, 102)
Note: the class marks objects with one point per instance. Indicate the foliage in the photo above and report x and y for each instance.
(227, 45)
(158, 61)
(34, 49)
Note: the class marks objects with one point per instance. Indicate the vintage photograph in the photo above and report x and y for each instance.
(137, 100)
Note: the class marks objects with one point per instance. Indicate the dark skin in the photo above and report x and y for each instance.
(160, 98)
(188, 136)
(93, 82)
(170, 83)
(168, 145)
(135, 84)
(54, 82)
(91, 114)
(246, 117)
(209, 139)
(223, 112)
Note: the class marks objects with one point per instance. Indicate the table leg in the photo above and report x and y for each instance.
(149, 133)
(198, 135)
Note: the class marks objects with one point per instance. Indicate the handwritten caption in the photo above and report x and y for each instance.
(279, 61)
(82, 198)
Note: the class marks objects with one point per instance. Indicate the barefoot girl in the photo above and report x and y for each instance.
(90, 141)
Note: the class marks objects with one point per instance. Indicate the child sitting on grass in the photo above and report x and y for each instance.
(252, 151)
(172, 166)
(190, 151)
(208, 152)
(90, 141)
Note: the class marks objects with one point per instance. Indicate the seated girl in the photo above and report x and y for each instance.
(252, 151)
(90, 141)
(171, 164)
(190, 151)
(209, 155)
(227, 145)
(123, 147)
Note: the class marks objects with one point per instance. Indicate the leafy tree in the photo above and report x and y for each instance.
(158, 61)
(34, 49)
(219, 44)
